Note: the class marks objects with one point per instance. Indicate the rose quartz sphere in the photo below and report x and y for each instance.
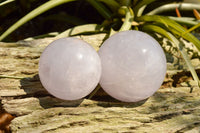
(69, 68)
(133, 66)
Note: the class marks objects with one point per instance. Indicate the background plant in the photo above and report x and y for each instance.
(120, 15)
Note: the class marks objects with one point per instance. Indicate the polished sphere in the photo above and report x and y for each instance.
(69, 68)
(133, 66)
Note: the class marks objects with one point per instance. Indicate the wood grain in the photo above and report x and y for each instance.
(171, 109)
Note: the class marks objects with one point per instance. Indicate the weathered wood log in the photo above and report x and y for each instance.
(171, 109)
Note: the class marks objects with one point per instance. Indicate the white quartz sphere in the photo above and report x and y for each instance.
(69, 68)
(133, 66)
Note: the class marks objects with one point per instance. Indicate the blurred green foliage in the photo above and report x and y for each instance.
(152, 16)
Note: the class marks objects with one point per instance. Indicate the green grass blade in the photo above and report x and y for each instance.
(100, 8)
(94, 91)
(80, 30)
(112, 32)
(6, 2)
(128, 18)
(141, 4)
(11, 77)
(179, 44)
(112, 4)
(125, 2)
(154, 28)
(41, 9)
(141, 10)
(173, 6)
(191, 29)
(172, 26)
(185, 20)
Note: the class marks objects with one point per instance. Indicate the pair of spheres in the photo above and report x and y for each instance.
(130, 66)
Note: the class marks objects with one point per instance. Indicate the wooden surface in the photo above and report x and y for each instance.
(171, 109)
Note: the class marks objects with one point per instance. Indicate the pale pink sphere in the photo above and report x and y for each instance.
(133, 66)
(69, 68)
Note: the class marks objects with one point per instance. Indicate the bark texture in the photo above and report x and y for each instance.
(171, 109)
